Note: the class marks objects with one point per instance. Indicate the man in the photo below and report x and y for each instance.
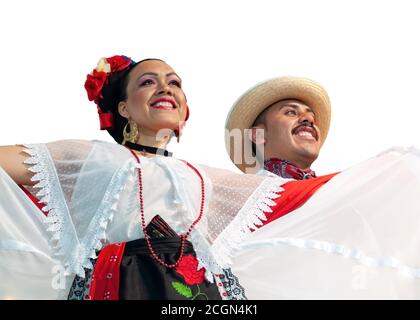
(286, 121)
(356, 238)
(283, 122)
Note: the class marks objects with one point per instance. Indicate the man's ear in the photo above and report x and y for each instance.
(122, 109)
(256, 135)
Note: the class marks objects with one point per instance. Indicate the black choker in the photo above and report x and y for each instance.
(148, 149)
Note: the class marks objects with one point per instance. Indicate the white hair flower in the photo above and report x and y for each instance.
(103, 66)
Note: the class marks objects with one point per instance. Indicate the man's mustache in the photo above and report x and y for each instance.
(304, 124)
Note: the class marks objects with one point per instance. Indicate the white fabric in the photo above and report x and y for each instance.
(27, 268)
(358, 237)
(91, 193)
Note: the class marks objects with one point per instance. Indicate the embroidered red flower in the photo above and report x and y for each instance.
(187, 268)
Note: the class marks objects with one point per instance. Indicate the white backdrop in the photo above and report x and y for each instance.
(365, 53)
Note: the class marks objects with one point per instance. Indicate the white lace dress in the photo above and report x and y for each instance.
(91, 193)
(358, 237)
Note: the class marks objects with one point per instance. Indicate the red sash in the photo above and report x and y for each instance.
(295, 194)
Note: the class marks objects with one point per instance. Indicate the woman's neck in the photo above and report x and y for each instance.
(151, 141)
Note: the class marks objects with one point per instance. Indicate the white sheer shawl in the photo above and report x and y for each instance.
(91, 194)
(358, 237)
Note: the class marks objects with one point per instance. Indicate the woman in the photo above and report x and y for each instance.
(100, 193)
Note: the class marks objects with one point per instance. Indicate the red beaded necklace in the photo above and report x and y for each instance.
(143, 222)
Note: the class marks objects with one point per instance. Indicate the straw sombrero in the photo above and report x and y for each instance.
(257, 99)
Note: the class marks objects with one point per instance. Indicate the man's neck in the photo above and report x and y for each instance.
(287, 169)
(301, 162)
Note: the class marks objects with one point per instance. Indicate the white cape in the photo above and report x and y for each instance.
(358, 237)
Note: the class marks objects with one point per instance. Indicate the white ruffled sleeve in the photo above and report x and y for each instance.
(28, 269)
(78, 182)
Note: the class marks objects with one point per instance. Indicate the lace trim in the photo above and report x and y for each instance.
(333, 248)
(65, 243)
(248, 219)
(205, 257)
(233, 290)
(202, 246)
(64, 237)
(94, 239)
(80, 288)
(229, 287)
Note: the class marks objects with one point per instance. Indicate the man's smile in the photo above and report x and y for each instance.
(305, 132)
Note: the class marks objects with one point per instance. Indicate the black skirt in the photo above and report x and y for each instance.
(143, 278)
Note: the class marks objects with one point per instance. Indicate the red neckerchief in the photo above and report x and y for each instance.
(287, 169)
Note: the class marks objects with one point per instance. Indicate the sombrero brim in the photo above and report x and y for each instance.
(257, 99)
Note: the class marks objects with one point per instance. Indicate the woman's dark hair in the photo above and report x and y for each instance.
(113, 92)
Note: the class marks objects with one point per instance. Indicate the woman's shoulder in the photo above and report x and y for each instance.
(79, 149)
(81, 144)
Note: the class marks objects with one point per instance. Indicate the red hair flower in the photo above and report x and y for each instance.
(118, 63)
(106, 66)
(94, 83)
(187, 268)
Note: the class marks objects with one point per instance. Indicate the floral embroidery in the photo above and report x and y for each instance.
(187, 292)
(80, 287)
(230, 283)
(187, 268)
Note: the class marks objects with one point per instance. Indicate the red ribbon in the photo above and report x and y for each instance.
(106, 120)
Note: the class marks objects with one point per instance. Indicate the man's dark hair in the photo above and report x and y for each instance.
(260, 120)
